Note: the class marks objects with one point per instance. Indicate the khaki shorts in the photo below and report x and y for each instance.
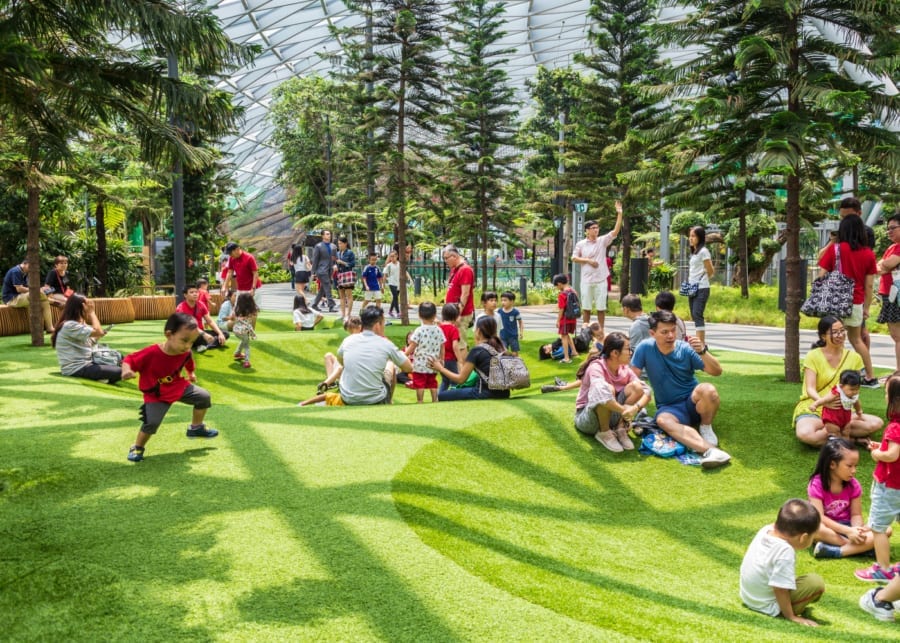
(855, 320)
(593, 297)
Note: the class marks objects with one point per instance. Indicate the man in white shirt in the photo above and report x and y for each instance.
(590, 252)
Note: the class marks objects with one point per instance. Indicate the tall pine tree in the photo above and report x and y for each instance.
(481, 123)
(616, 112)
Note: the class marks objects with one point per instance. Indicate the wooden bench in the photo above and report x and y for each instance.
(153, 306)
(113, 310)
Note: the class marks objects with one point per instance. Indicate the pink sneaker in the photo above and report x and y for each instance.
(246, 363)
(876, 573)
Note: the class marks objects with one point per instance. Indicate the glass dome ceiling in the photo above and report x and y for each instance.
(294, 34)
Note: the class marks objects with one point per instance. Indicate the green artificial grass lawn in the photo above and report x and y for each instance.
(489, 520)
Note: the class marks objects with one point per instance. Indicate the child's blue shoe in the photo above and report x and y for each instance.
(200, 432)
(826, 550)
(136, 454)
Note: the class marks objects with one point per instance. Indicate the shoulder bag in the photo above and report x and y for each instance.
(831, 294)
(507, 372)
(103, 355)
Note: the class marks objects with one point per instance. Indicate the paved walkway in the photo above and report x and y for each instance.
(733, 337)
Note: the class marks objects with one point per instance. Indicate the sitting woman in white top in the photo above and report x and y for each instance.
(74, 337)
(611, 395)
(304, 317)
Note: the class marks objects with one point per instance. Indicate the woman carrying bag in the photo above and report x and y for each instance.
(857, 261)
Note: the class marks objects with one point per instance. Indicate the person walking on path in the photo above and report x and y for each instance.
(591, 253)
(322, 267)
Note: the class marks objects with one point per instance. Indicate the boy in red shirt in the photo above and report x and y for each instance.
(565, 325)
(162, 383)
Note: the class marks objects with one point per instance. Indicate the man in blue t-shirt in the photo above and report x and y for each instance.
(681, 402)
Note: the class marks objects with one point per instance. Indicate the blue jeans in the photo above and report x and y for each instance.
(472, 393)
(453, 366)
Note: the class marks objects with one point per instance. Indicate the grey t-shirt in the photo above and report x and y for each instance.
(364, 356)
(639, 331)
(73, 347)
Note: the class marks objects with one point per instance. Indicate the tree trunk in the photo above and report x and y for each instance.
(102, 258)
(33, 253)
(743, 254)
(792, 276)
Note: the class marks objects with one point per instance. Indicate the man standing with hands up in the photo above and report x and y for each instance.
(590, 252)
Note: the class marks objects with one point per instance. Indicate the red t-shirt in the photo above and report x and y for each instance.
(886, 281)
(888, 473)
(156, 367)
(562, 298)
(451, 335)
(203, 297)
(198, 312)
(462, 275)
(244, 266)
(856, 264)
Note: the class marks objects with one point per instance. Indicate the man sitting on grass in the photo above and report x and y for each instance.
(370, 362)
(681, 402)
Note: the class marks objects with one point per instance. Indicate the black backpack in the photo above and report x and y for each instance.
(573, 305)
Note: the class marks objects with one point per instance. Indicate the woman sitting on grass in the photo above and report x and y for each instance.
(611, 395)
(74, 337)
(822, 369)
(478, 361)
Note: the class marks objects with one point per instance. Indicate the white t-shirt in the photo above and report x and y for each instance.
(428, 338)
(697, 269)
(306, 320)
(596, 250)
(391, 274)
(768, 563)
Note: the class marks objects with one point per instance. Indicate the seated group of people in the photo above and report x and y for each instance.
(54, 292)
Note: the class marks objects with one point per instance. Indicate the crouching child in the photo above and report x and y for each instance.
(768, 580)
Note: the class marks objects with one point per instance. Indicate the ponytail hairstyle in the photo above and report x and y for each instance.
(823, 329)
(614, 341)
(699, 232)
(487, 326)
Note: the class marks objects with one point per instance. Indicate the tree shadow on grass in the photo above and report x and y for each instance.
(420, 503)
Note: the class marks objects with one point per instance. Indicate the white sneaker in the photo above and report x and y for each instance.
(707, 433)
(714, 458)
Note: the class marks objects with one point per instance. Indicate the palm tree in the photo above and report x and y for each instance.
(85, 79)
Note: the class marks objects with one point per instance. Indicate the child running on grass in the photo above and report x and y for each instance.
(768, 582)
(837, 421)
(565, 323)
(162, 384)
(837, 495)
(885, 505)
(245, 312)
(304, 317)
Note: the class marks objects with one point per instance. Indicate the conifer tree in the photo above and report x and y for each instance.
(482, 119)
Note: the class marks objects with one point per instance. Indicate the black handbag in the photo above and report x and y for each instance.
(831, 294)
